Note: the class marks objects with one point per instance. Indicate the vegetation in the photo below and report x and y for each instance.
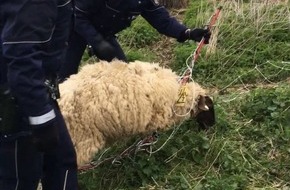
(246, 67)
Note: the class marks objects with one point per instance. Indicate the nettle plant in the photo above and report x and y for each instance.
(269, 106)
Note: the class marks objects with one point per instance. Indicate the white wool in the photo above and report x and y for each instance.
(106, 102)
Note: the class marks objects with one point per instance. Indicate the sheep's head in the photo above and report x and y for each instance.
(193, 99)
(205, 114)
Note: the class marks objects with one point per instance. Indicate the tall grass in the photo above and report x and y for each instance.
(249, 39)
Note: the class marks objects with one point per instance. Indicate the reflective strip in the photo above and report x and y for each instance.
(112, 8)
(64, 4)
(65, 180)
(38, 120)
(151, 10)
(31, 42)
(16, 163)
(80, 10)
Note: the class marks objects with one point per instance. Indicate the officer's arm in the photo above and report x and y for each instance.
(83, 25)
(161, 20)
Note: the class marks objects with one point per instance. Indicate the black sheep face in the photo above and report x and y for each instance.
(205, 116)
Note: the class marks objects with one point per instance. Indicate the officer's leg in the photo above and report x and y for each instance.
(73, 56)
(60, 168)
(118, 50)
(20, 165)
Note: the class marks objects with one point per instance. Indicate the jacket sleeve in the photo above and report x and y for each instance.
(24, 40)
(26, 81)
(83, 24)
(160, 19)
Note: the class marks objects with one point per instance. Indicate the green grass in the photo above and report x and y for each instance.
(247, 149)
(247, 71)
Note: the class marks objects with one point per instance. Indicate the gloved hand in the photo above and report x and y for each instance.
(46, 136)
(196, 34)
(103, 49)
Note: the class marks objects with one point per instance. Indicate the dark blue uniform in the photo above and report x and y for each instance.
(108, 17)
(33, 37)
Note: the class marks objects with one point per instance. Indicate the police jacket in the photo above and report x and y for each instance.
(23, 40)
(108, 17)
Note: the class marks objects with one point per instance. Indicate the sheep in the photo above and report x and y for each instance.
(106, 102)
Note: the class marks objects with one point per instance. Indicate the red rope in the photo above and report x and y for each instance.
(197, 51)
(212, 21)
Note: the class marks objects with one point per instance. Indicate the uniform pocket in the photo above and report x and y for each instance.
(30, 21)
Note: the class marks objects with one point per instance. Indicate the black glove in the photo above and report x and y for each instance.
(46, 137)
(103, 49)
(195, 34)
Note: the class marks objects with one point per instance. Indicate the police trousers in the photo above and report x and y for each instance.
(22, 167)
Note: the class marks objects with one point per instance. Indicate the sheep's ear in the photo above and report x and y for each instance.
(202, 103)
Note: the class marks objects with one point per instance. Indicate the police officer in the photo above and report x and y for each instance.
(34, 142)
(97, 22)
